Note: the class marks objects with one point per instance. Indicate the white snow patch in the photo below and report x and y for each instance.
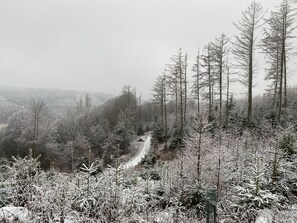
(163, 217)
(13, 214)
(265, 216)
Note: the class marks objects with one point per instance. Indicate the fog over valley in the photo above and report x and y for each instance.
(137, 111)
(103, 45)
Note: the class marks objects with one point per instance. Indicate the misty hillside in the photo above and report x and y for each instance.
(13, 99)
(207, 147)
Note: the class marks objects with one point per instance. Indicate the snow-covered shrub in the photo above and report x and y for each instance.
(284, 166)
(287, 143)
(193, 198)
(23, 173)
(287, 181)
(140, 130)
(52, 200)
(247, 197)
(151, 175)
(158, 133)
(149, 161)
(4, 174)
(252, 195)
(175, 142)
(287, 215)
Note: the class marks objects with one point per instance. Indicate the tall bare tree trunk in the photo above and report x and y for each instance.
(227, 101)
(250, 86)
(186, 96)
(209, 85)
(244, 49)
(198, 83)
(180, 69)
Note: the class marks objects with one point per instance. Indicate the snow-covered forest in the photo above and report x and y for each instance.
(195, 152)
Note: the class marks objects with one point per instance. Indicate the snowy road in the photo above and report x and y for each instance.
(140, 155)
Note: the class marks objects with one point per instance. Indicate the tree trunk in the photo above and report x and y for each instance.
(209, 85)
(181, 91)
(250, 82)
(185, 68)
(198, 84)
(221, 86)
(227, 101)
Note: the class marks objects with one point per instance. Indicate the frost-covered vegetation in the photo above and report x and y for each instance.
(250, 174)
(213, 157)
(68, 139)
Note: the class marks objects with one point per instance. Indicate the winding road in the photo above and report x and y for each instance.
(140, 155)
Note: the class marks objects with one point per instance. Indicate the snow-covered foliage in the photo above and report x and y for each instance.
(239, 167)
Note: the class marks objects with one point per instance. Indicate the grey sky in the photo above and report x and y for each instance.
(101, 45)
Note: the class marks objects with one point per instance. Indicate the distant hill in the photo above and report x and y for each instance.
(13, 99)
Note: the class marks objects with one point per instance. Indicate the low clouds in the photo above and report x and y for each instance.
(101, 45)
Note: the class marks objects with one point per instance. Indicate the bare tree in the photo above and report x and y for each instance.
(195, 141)
(185, 66)
(277, 49)
(208, 82)
(196, 87)
(282, 23)
(220, 53)
(228, 97)
(159, 95)
(271, 47)
(165, 108)
(180, 73)
(287, 15)
(172, 82)
(88, 102)
(177, 82)
(37, 107)
(244, 47)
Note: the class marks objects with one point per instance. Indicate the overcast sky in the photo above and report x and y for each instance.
(102, 45)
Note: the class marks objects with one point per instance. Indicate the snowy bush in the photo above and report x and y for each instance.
(247, 198)
(287, 143)
(24, 174)
(287, 182)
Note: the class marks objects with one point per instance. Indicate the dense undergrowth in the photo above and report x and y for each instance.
(248, 174)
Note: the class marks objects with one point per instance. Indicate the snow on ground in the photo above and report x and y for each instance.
(265, 216)
(287, 216)
(283, 216)
(262, 219)
(14, 214)
(140, 155)
(163, 216)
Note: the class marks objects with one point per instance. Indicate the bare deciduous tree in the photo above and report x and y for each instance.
(220, 52)
(37, 107)
(196, 87)
(208, 82)
(244, 47)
